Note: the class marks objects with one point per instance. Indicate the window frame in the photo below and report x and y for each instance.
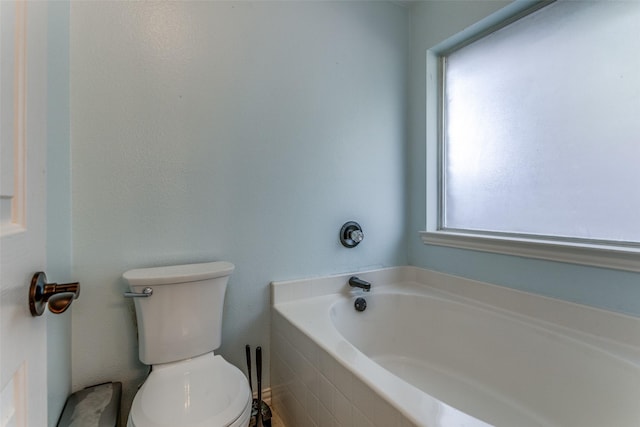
(622, 256)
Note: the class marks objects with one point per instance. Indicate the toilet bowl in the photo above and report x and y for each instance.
(179, 327)
(206, 391)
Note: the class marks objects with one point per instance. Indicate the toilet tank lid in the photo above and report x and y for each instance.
(178, 273)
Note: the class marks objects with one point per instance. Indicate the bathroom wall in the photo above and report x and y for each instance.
(433, 22)
(238, 131)
(58, 205)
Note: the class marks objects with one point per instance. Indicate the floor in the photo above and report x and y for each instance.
(275, 420)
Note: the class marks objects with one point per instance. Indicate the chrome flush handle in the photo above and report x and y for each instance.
(146, 292)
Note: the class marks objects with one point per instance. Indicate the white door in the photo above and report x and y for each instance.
(23, 122)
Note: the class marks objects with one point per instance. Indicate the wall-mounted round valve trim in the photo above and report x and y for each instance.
(351, 234)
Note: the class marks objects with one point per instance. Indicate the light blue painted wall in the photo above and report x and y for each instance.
(58, 204)
(432, 23)
(249, 132)
(238, 131)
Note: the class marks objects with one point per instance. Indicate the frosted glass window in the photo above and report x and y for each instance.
(541, 126)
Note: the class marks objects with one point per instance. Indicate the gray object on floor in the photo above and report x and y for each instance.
(96, 406)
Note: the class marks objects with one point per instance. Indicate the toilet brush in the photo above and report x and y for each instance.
(264, 414)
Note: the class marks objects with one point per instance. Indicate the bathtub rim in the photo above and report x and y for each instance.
(593, 324)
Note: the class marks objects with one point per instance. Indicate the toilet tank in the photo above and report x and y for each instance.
(183, 316)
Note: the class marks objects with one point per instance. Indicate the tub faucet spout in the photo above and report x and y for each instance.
(355, 282)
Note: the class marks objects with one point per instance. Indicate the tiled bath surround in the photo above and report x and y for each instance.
(309, 386)
(312, 388)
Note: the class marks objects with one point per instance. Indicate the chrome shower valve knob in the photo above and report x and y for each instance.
(351, 234)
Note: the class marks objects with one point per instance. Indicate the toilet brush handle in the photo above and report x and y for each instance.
(259, 375)
(248, 355)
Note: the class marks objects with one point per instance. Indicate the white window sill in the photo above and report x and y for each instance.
(617, 257)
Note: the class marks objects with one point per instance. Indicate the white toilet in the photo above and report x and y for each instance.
(179, 312)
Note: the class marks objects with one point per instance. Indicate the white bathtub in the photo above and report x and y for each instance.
(437, 350)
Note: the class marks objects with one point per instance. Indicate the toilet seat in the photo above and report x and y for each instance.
(206, 391)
